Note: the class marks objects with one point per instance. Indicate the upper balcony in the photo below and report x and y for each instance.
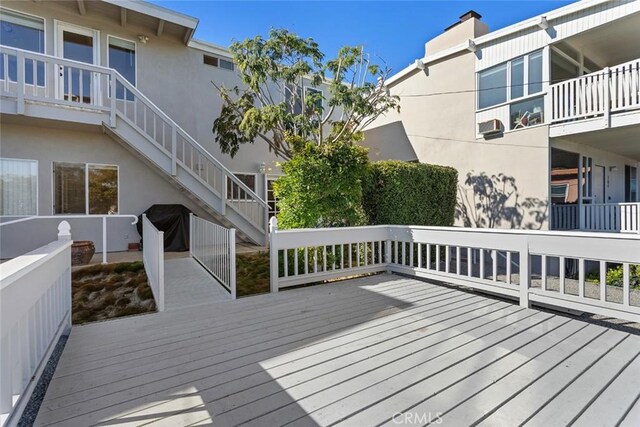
(608, 98)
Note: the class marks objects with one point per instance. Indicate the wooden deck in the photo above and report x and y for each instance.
(355, 353)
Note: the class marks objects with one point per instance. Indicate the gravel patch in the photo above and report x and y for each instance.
(31, 411)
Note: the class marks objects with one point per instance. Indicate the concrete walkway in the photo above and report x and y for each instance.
(187, 284)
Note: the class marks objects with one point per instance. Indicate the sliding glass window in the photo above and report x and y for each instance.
(81, 188)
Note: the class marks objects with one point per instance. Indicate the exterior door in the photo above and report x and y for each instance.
(599, 184)
(77, 44)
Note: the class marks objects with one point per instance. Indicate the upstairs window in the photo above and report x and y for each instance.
(22, 32)
(214, 61)
(234, 192)
(512, 80)
(122, 58)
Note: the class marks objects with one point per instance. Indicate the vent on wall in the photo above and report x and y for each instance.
(490, 127)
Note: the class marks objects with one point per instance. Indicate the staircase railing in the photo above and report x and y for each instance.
(37, 77)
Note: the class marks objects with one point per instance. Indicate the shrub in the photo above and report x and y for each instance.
(405, 193)
(322, 186)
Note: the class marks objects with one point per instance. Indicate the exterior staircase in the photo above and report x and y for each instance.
(129, 117)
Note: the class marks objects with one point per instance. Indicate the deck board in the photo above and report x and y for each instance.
(353, 352)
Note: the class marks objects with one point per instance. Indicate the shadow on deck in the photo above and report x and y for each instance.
(357, 352)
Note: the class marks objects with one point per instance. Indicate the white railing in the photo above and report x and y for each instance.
(570, 270)
(214, 247)
(564, 217)
(612, 217)
(153, 258)
(90, 87)
(610, 90)
(104, 219)
(35, 310)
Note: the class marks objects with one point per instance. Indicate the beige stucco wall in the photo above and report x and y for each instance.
(139, 185)
(169, 73)
(441, 129)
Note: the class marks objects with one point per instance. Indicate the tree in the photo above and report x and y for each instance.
(275, 104)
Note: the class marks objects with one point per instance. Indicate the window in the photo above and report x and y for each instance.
(526, 113)
(525, 78)
(631, 184)
(492, 86)
(227, 65)
(218, 62)
(272, 201)
(18, 187)
(81, 188)
(316, 94)
(122, 57)
(22, 32)
(233, 189)
(534, 81)
(293, 98)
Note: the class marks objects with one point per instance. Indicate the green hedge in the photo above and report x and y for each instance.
(410, 194)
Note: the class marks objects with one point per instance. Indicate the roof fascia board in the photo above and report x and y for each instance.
(157, 12)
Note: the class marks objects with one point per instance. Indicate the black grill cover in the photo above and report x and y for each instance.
(174, 221)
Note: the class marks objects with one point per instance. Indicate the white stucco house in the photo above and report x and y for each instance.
(550, 106)
(107, 108)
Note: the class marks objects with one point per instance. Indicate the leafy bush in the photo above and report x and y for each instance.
(322, 186)
(405, 193)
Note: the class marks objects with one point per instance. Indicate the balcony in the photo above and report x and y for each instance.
(606, 217)
(608, 98)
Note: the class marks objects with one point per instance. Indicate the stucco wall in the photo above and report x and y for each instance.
(169, 73)
(441, 129)
(139, 185)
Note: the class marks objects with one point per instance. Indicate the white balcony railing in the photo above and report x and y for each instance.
(611, 217)
(598, 94)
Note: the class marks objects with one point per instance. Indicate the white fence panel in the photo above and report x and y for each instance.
(35, 310)
(153, 257)
(593, 272)
(214, 247)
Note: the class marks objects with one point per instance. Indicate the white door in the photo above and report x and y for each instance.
(599, 178)
(77, 44)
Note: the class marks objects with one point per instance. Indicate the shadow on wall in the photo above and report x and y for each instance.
(494, 202)
(389, 141)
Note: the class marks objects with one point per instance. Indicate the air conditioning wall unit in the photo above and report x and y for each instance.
(490, 127)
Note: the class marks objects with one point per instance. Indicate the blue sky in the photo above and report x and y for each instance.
(394, 31)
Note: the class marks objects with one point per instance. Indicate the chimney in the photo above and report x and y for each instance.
(469, 26)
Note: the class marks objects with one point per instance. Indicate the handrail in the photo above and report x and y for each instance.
(604, 71)
(185, 134)
(58, 60)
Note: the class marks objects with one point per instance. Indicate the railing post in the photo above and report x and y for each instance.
(387, 251)
(64, 231)
(191, 234)
(223, 195)
(104, 239)
(232, 262)
(174, 137)
(607, 96)
(112, 90)
(20, 82)
(273, 253)
(525, 274)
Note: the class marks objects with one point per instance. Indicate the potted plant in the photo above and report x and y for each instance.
(82, 251)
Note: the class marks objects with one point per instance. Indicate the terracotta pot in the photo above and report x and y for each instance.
(134, 247)
(82, 251)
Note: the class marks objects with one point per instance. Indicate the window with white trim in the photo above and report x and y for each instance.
(122, 58)
(85, 188)
(22, 32)
(18, 187)
(215, 61)
(510, 81)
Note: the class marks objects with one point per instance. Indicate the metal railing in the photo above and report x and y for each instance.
(593, 272)
(214, 247)
(153, 258)
(35, 310)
